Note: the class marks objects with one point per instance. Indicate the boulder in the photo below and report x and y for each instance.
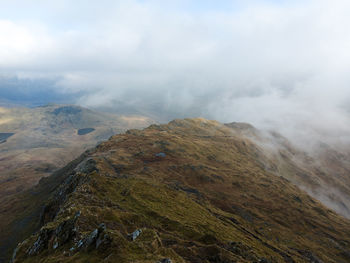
(135, 234)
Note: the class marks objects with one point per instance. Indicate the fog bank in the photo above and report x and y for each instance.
(276, 64)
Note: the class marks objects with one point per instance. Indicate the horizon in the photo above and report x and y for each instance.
(276, 64)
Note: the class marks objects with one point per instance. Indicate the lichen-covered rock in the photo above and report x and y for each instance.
(90, 239)
(61, 235)
(95, 239)
(52, 207)
(66, 231)
(41, 242)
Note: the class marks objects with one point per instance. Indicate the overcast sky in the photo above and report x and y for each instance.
(272, 63)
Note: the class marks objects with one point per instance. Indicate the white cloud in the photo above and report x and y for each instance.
(268, 63)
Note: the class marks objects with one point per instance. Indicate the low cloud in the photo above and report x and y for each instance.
(275, 64)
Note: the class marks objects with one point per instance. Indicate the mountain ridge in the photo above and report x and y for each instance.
(189, 191)
(42, 140)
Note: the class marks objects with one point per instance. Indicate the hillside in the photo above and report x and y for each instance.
(189, 191)
(323, 172)
(35, 142)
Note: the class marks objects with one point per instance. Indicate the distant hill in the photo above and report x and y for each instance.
(193, 190)
(36, 141)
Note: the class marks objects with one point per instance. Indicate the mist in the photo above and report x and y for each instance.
(280, 65)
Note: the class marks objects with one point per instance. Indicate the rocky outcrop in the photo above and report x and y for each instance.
(135, 234)
(86, 166)
(50, 237)
(41, 243)
(67, 232)
(96, 239)
(56, 237)
(77, 177)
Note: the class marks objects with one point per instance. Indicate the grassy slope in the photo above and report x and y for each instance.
(322, 171)
(210, 199)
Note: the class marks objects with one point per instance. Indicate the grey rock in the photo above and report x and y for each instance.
(135, 234)
(80, 243)
(95, 239)
(65, 231)
(41, 242)
(87, 166)
(91, 238)
(55, 245)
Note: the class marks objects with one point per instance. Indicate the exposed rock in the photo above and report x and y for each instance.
(55, 245)
(95, 239)
(65, 231)
(90, 239)
(87, 166)
(61, 235)
(165, 260)
(135, 234)
(41, 243)
(67, 187)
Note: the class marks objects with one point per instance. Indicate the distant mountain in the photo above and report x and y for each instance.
(190, 191)
(34, 142)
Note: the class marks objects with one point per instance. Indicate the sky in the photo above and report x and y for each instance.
(277, 64)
